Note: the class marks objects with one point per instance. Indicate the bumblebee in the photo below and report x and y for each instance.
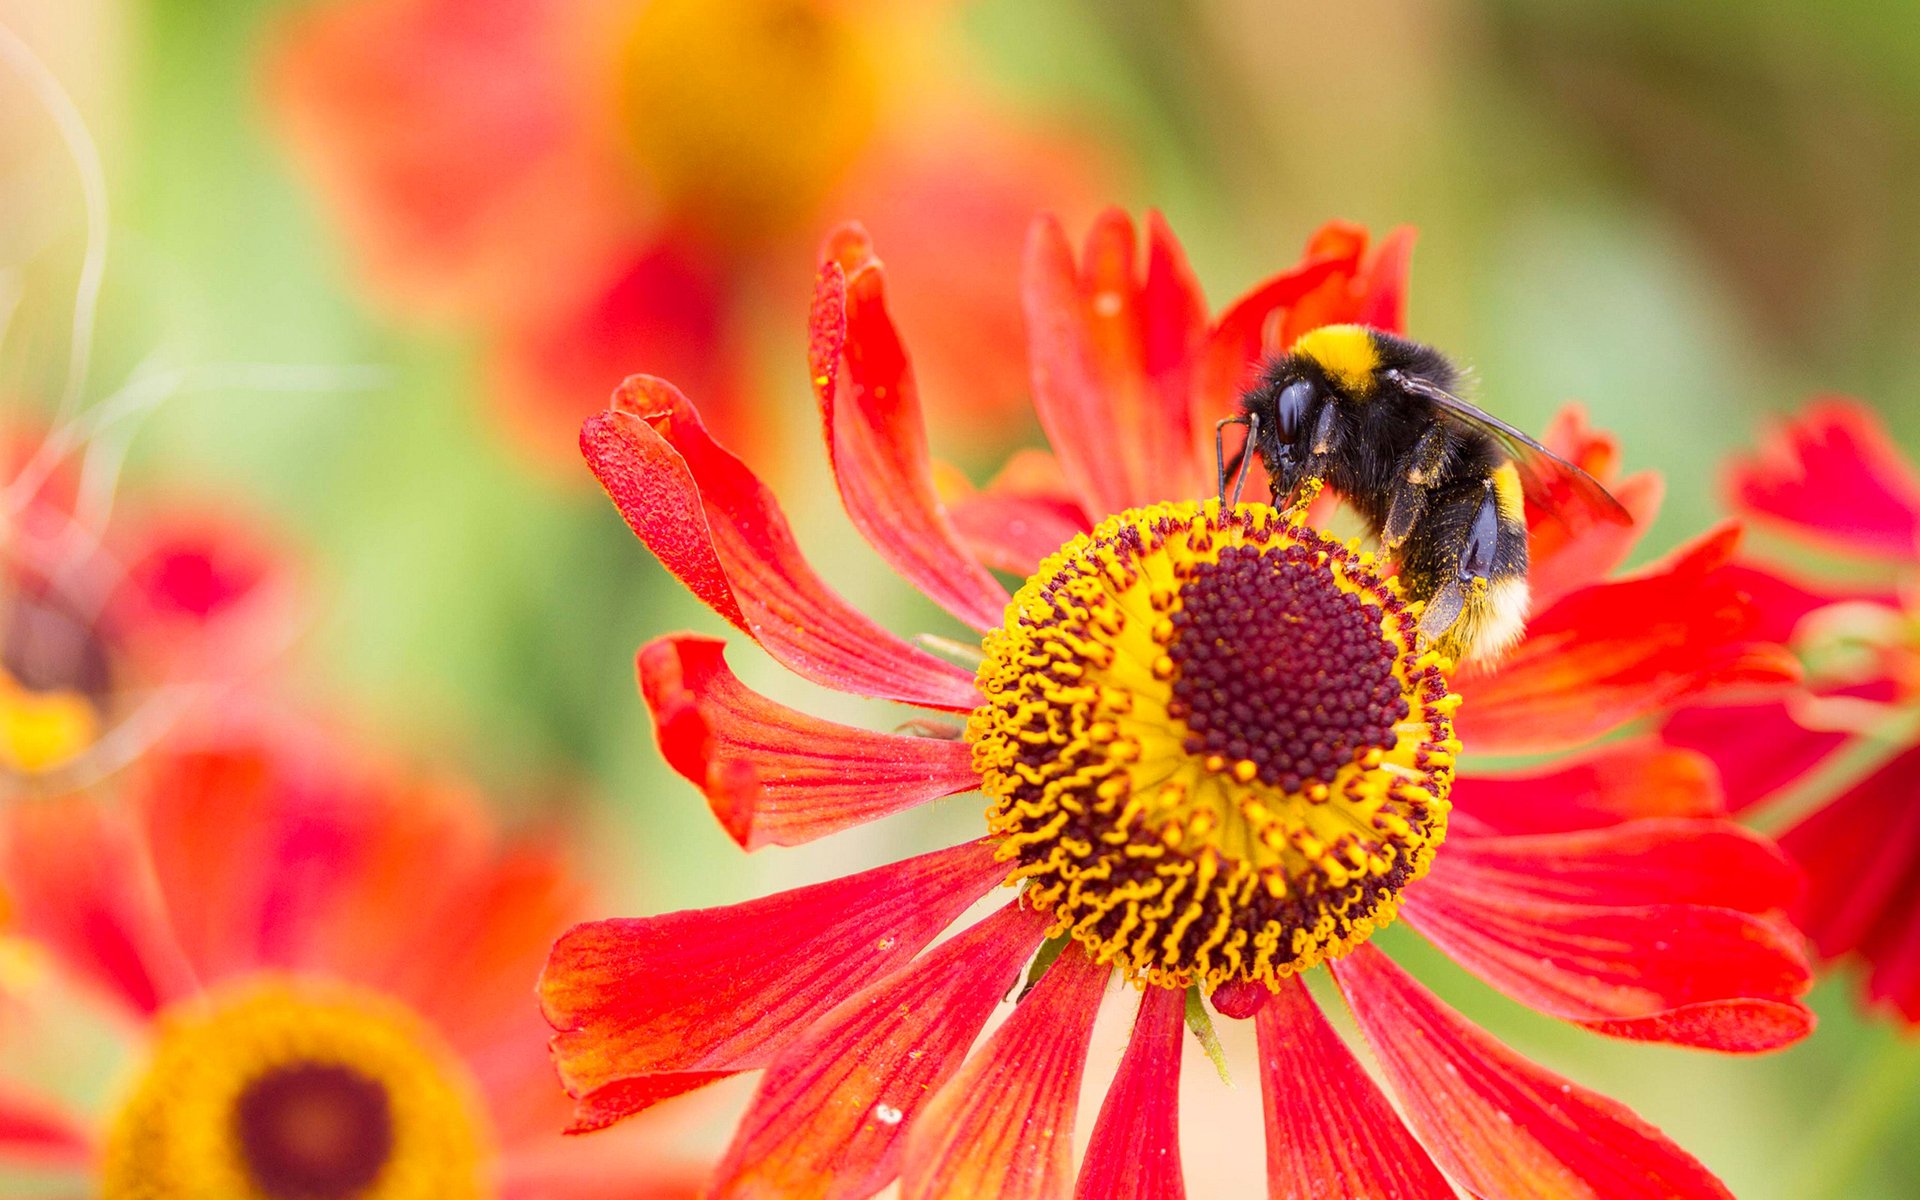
(1441, 483)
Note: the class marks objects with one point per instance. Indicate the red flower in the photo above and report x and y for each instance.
(321, 971)
(110, 630)
(1831, 479)
(597, 185)
(1177, 817)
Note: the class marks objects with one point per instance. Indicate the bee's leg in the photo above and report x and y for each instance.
(1467, 558)
(1239, 461)
(1313, 474)
(1450, 556)
(1416, 474)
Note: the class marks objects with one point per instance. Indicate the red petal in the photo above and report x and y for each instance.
(1622, 781)
(877, 439)
(1239, 342)
(76, 876)
(1020, 518)
(721, 990)
(774, 775)
(1329, 1130)
(1610, 928)
(718, 529)
(1759, 749)
(1621, 650)
(1112, 355)
(1135, 1151)
(1571, 550)
(37, 1132)
(1370, 291)
(1861, 852)
(1003, 1126)
(829, 1119)
(1832, 474)
(1497, 1124)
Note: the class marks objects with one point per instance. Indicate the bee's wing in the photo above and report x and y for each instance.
(1550, 481)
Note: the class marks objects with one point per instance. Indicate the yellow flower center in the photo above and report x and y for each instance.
(1214, 749)
(288, 1090)
(55, 677)
(743, 116)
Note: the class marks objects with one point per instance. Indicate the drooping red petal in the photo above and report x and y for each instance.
(775, 775)
(1497, 1124)
(1026, 513)
(78, 882)
(720, 990)
(1622, 781)
(1135, 1150)
(877, 439)
(1833, 475)
(1112, 353)
(1861, 853)
(1003, 1126)
(38, 1133)
(829, 1120)
(1329, 1130)
(1631, 931)
(1621, 650)
(719, 530)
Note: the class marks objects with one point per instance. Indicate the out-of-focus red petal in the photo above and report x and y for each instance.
(1622, 781)
(1026, 513)
(1003, 1126)
(1621, 650)
(1614, 930)
(1759, 749)
(1135, 1150)
(1239, 342)
(1372, 290)
(78, 882)
(877, 439)
(775, 775)
(720, 990)
(38, 1133)
(660, 307)
(1112, 353)
(1329, 1130)
(1833, 475)
(829, 1120)
(1861, 852)
(1497, 1124)
(719, 530)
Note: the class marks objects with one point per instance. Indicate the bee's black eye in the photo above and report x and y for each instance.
(1291, 408)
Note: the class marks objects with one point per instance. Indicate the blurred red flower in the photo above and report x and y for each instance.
(1187, 824)
(113, 627)
(597, 185)
(322, 967)
(1831, 480)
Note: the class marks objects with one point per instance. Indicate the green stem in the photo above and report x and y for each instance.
(1882, 1089)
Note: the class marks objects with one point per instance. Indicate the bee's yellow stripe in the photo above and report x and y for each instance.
(1347, 354)
(1508, 493)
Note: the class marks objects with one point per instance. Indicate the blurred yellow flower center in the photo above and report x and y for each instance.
(1213, 747)
(287, 1090)
(54, 677)
(744, 116)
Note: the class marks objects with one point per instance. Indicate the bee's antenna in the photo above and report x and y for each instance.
(1239, 459)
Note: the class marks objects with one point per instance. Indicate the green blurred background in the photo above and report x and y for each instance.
(1685, 216)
